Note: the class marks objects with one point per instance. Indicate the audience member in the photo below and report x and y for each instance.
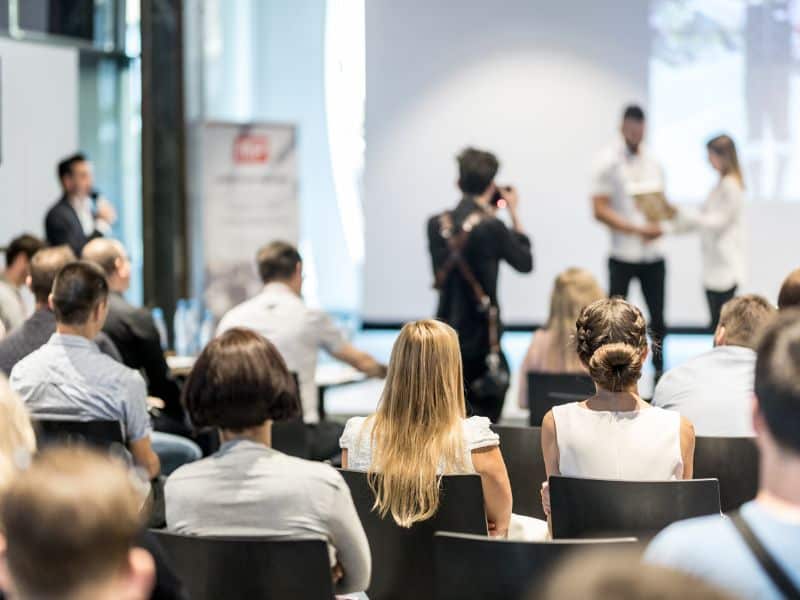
(732, 552)
(420, 432)
(280, 315)
(615, 434)
(714, 390)
(19, 253)
(69, 378)
(617, 575)
(79, 215)
(552, 348)
(35, 332)
(17, 440)
(789, 296)
(133, 330)
(240, 385)
(70, 523)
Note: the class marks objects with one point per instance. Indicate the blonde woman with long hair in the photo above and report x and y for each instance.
(420, 433)
(552, 348)
(17, 439)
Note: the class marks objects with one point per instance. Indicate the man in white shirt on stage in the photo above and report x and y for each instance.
(636, 252)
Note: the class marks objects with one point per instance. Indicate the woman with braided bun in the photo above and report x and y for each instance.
(615, 434)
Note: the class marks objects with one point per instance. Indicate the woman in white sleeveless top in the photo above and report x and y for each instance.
(615, 434)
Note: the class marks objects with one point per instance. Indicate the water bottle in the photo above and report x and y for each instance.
(161, 327)
(206, 330)
(191, 326)
(179, 328)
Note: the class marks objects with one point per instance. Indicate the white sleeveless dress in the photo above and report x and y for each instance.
(639, 445)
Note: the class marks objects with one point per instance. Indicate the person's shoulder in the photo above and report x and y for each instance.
(691, 540)
(478, 433)
(352, 429)
(314, 472)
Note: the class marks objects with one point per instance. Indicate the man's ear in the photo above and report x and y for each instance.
(5, 577)
(50, 302)
(759, 423)
(140, 576)
(29, 282)
(719, 336)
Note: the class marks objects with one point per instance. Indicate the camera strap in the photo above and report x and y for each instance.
(456, 242)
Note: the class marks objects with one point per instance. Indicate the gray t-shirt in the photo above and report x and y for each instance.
(712, 549)
(248, 489)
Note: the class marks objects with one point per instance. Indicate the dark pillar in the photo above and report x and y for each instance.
(163, 155)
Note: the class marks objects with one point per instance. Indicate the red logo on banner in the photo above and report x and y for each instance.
(251, 149)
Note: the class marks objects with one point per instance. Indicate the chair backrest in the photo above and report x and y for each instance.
(402, 558)
(589, 508)
(522, 453)
(249, 567)
(546, 390)
(734, 462)
(99, 434)
(471, 567)
(290, 438)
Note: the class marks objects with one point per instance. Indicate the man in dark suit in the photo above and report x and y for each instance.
(489, 241)
(79, 215)
(134, 332)
(36, 331)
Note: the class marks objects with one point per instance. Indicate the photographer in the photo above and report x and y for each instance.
(466, 246)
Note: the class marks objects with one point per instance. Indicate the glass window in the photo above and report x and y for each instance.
(3, 15)
(91, 21)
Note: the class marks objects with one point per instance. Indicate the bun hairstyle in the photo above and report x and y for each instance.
(611, 338)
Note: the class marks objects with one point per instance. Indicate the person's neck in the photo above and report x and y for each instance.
(287, 283)
(87, 331)
(779, 487)
(623, 401)
(261, 434)
(634, 150)
(42, 306)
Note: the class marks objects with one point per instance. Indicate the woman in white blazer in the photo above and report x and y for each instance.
(721, 227)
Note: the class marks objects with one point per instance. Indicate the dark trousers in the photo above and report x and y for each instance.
(715, 302)
(651, 278)
(483, 406)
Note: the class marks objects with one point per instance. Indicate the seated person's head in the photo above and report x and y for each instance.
(239, 384)
(611, 337)
(110, 255)
(573, 289)
(19, 253)
(777, 388)
(476, 171)
(789, 296)
(80, 298)
(742, 321)
(45, 265)
(69, 523)
(281, 262)
(17, 440)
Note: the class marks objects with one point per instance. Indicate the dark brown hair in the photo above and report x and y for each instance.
(611, 337)
(777, 383)
(45, 265)
(78, 289)
(239, 381)
(70, 519)
(476, 171)
(25, 244)
(277, 261)
(790, 291)
(744, 319)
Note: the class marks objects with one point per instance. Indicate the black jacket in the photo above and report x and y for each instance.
(62, 226)
(134, 333)
(488, 243)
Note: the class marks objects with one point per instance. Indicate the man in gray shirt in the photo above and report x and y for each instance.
(19, 253)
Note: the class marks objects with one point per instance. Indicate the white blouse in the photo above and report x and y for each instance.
(357, 440)
(638, 445)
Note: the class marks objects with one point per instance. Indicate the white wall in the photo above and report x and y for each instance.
(39, 127)
(540, 83)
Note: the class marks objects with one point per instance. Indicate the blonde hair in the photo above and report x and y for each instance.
(417, 431)
(17, 439)
(573, 289)
(724, 147)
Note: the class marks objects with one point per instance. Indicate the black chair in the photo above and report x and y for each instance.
(546, 390)
(99, 434)
(402, 558)
(291, 437)
(590, 508)
(522, 452)
(734, 462)
(470, 567)
(247, 568)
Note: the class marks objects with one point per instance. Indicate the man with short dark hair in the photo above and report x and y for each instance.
(714, 390)
(18, 259)
(69, 378)
(623, 170)
(79, 215)
(488, 242)
(714, 548)
(35, 332)
(70, 523)
(789, 296)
